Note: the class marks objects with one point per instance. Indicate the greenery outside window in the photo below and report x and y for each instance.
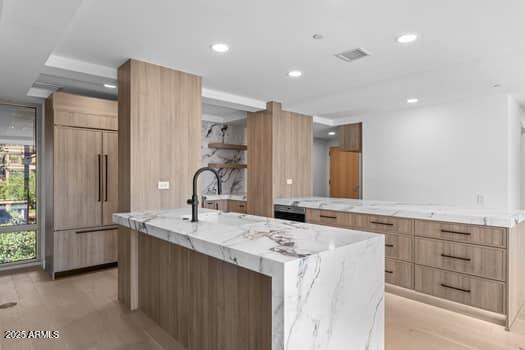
(18, 185)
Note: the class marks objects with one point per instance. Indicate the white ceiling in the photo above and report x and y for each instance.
(29, 31)
(465, 47)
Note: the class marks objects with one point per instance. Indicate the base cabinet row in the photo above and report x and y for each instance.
(462, 263)
(227, 205)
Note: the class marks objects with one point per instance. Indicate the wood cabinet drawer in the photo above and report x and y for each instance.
(215, 204)
(83, 248)
(491, 236)
(326, 217)
(237, 206)
(470, 259)
(400, 273)
(398, 247)
(210, 204)
(382, 224)
(473, 291)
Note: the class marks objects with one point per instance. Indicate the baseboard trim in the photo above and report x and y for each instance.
(85, 270)
(447, 305)
(12, 269)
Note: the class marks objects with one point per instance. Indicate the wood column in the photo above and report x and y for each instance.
(159, 140)
(279, 149)
(159, 135)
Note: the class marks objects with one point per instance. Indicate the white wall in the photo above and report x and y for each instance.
(443, 154)
(515, 116)
(320, 167)
(522, 173)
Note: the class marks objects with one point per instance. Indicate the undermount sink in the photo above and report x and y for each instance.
(202, 216)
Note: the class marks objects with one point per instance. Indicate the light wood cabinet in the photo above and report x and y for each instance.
(226, 205)
(398, 247)
(469, 259)
(468, 290)
(236, 206)
(77, 178)
(110, 172)
(85, 177)
(81, 178)
(490, 236)
(221, 205)
(475, 265)
(382, 224)
(350, 137)
(327, 217)
(400, 273)
(81, 248)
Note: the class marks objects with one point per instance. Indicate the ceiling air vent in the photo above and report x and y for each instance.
(352, 55)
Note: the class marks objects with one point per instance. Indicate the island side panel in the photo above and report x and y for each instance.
(516, 277)
(335, 300)
(203, 302)
(128, 267)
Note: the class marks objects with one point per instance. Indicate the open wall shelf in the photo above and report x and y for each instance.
(227, 146)
(227, 165)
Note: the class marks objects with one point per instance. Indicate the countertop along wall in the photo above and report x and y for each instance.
(448, 153)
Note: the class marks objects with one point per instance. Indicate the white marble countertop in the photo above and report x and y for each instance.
(424, 211)
(327, 283)
(216, 197)
(241, 239)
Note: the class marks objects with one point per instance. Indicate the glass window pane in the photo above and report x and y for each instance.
(17, 246)
(17, 166)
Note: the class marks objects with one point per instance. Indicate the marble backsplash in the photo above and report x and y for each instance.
(233, 180)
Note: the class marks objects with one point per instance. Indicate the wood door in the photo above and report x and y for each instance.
(344, 174)
(110, 164)
(77, 178)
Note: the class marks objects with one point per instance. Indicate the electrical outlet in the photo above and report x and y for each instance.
(289, 181)
(164, 185)
(480, 199)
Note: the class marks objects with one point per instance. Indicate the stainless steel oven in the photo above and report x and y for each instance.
(289, 213)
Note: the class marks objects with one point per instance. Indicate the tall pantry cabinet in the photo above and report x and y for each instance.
(81, 182)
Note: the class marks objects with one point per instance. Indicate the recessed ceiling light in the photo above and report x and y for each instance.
(110, 86)
(317, 36)
(412, 100)
(295, 73)
(331, 133)
(220, 47)
(407, 38)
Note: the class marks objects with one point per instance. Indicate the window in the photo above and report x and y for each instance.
(18, 184)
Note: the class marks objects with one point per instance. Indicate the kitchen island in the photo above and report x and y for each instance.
(469, 260)
(242, 282)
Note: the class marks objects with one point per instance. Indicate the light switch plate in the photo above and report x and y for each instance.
(164, 185)
(289, 181)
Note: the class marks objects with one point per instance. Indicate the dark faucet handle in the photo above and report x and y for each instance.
(189, 201)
